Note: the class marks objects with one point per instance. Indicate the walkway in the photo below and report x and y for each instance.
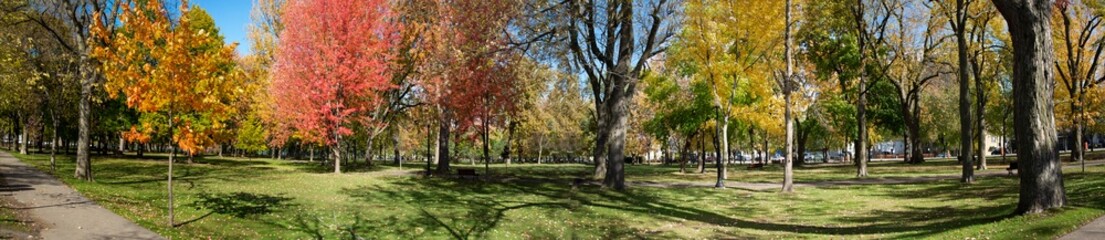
(60, 211)
(1092, 231)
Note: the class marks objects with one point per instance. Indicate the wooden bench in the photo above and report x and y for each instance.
(1012, 166)
(467, 173)
(756, 166)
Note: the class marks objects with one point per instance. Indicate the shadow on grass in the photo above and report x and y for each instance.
(237, 204)
(471, 209)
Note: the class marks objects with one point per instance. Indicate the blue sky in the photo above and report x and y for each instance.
(231, 16)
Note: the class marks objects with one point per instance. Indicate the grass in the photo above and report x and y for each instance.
(232, 198)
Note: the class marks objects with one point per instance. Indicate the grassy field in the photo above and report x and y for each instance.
(231, 198)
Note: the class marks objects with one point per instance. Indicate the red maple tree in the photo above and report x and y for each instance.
(331, 66)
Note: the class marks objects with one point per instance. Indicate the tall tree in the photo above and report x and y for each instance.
(1041, 176)
(717, 49)
(610, 42)
(917, 33)
(470, 79)
(1079, 31)
(69, 23)
(154, 63)
(331, 65)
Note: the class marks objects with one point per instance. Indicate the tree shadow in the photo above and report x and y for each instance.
(475, 208)
(238, 204)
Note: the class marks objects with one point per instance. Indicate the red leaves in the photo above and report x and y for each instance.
(471, 63)
(331, 64)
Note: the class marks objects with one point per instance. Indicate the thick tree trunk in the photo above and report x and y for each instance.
(1041, 176)
(601, 138)
(965, 142)
(618, 110)
(84, 111)
(443, 146)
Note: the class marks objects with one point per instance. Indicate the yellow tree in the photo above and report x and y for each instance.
(1078, 32)
(158, 66)
(726, 44)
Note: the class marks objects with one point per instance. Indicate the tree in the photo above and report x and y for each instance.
(610, 42)
(846, 43)
(1041, 176)
(470, 80)
(1079, 32)
(917, 33)
(331, 65)
(69, 23)
(958, 24)
(717, 50)
(154, 63)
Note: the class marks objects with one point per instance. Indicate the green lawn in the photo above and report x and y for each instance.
(229, 198)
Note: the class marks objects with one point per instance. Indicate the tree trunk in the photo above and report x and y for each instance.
(443, 145)
(398, 159)
(84, 163)
(169, 184)
(719, 142)
(24, 137)
(965, 142)
(1041, 176)
(484, 131)
(617, 116)
(601, 138)
(702, 153)
(336, 153)
(54, 146)
(788, 87)
(980, 123)
(1076, 152)
(800, 140)
(684, 154)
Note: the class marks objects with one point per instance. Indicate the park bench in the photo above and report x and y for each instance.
(756, 166)
(467, 173)
(1012, 167)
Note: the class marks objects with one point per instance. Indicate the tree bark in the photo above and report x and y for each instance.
(965, 142)
(788, 88)
(601, 138)
(1041, 176)
(618, 110)
(84, 111)
(443, 144)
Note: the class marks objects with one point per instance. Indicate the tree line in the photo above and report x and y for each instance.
(539, 80)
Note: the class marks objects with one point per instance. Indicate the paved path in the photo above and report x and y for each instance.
(1092, 231)
(60, 211)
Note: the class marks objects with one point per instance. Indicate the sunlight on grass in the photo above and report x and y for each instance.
(268, 199)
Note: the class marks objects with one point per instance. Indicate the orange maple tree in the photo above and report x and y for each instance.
(158, 66)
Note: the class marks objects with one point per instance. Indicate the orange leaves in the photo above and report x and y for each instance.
(135, 136)
(155, 64)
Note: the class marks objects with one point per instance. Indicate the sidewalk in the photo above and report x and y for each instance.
(61, 211)
(1092, 231)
